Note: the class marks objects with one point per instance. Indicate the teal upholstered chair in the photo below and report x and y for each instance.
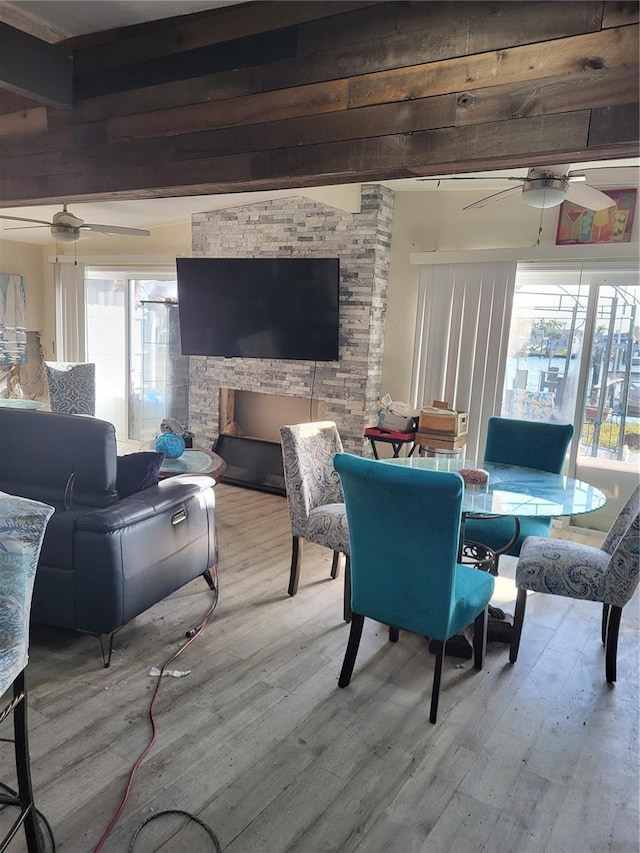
(608, 575)
(22, 526)
(529, 444)
(314, 496)
(404, 527)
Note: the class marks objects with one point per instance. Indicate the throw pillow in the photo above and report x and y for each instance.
(137, 471)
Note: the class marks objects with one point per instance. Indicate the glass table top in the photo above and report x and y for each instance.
(516, 491)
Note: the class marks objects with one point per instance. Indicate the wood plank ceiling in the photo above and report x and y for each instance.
(289, 94)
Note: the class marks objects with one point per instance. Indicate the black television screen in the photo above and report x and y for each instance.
(260, 307)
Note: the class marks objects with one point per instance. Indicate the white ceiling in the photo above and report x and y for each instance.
(53, 20)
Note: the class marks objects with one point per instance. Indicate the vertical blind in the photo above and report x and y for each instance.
(462, 331)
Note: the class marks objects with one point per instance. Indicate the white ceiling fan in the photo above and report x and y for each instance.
(547, 186)
(67, 228)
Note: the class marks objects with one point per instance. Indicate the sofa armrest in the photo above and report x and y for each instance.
(157, 500)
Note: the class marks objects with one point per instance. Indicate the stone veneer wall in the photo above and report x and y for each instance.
(298, 227)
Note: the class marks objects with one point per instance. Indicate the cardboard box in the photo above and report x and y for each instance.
(438, 441)
(442, 421)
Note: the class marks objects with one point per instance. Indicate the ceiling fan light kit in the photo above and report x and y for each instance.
(545, 192)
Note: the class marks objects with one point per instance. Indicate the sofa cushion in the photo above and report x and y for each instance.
(137, 471)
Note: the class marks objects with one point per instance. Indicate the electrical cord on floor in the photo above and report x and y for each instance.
(42, 817)
(207, 829)
(192, 635)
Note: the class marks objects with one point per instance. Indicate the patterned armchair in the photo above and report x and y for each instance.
(72, 387)
(314, 496)
(22, 526)
(608, 575)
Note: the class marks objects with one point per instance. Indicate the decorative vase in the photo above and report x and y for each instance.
(171, 444)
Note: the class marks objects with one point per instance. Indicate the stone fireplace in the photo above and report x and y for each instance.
(346, 391)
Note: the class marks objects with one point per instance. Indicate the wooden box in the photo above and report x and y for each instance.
(443, 421)
(439, 441)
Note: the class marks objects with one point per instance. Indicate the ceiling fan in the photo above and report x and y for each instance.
(67, 228)
(547, 186)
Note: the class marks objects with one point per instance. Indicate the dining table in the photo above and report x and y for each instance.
(511, 491)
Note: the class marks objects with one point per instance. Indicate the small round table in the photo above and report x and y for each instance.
(194, 462)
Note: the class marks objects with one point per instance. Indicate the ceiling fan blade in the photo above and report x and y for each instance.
(589, 197)
(22, 227)
(490, 199)
(24, 219)
(115, 229)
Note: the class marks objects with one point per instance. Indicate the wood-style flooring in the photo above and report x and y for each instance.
(259, 742)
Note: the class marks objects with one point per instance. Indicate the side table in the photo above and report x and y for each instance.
(194, 462)
(395, 439)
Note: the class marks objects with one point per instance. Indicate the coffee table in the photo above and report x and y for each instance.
(194, 462)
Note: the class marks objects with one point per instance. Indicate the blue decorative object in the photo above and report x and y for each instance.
(171, 444)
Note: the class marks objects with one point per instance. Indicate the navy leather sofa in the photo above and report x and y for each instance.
(104, 559)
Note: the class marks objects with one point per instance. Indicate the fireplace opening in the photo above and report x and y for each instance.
(249, 435)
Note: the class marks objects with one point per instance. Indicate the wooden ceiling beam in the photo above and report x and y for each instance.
(35, 69)
(359, 92)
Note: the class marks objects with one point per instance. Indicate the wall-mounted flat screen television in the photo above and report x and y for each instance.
(260, 307)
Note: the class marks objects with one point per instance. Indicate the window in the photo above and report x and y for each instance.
(122, 327)
(574, 355)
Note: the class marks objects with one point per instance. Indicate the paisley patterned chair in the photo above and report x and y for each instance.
(608, 575)
(22, 526)
(72, 387)
(314, 496)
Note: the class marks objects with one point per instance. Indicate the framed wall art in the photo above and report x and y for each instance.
(13, 314)
(578, 224)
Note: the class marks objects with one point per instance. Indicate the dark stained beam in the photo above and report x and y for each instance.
(35, 69)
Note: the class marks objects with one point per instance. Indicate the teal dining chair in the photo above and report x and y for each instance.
(404, 527)
(22, 526)
(527, 444)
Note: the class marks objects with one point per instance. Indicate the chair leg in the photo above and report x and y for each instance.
(518, 619)
(437, 674)
(394, 633)
(23, 768)
(106, 655)
(347, 589)
(357, 622)
(335, 565)
(480, 638)
(209, 579)
(611, 647)
(296, 560)
(605, 621)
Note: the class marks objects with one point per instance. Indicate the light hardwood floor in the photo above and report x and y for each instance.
(260, 743)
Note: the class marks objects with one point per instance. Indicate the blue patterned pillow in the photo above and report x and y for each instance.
(138, 471)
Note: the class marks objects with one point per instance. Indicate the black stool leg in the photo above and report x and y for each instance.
(23, 767)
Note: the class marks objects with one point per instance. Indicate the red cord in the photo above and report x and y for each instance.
(152, 740)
